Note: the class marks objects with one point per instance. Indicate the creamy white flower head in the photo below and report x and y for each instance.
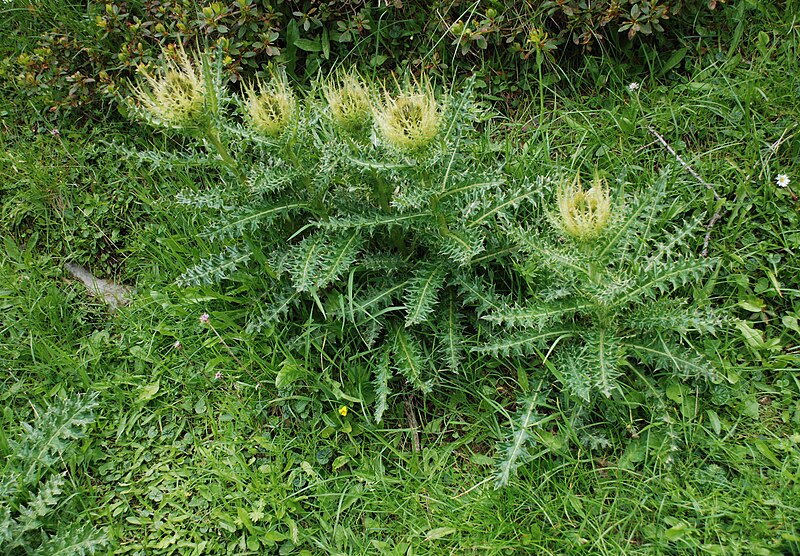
(409, 121)
(782, 180)
(175, 95)
(270, 105)
(634, 86)
(584, 214)
(349, 101)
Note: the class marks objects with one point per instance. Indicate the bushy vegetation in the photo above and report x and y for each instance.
(82, 58)
(374, 316)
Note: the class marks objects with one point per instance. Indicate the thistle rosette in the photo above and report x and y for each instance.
(411, 120)
(584, 214)
(271, 105)
(349, 102)
(175, 95)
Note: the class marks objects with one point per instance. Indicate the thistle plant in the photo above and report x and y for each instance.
(31, 491)
(606, 305)
(360, 245)
(175, 95)
(271, 105)
(583, 215)
(349, 101)
(410, 120)
(389, 253)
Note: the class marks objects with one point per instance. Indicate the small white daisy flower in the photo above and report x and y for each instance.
(633, 87)
(782, 180)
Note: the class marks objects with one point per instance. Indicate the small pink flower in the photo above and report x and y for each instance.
(204, 318)
(218, 375)
(177, 344)
(54, 132)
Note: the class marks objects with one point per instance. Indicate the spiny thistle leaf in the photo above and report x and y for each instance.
(514, 451)
(271, 178)
(82, 540)
(460, 246)
(215, 268)
(668, 314)
(665, 278)
(561, 260)
(41, 504)
(369, 222)
(450, 332)
(622, 234)
(202, 199)
(509, 201)
(524, 343)
(670, 356)
(250, 219)
(55, 431)
(283, 300)
(8, 525)
(602, 353)
(374, 303)
(421, 293)
(571, 365)
(383, 374)
(478, 293)
(319, 259)
(342, 254)
(678, 238)
(538, 316)
(408, 359)
(470, 188)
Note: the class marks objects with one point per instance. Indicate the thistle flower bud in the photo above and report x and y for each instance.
(584, 214)
(349, 102)
(410, 121)
(175, 96)
(271, 107)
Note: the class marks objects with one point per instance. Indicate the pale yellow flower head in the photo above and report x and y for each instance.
(270, 105)
(411, 120)
(349, 101)
(584, 214)
(175, 95)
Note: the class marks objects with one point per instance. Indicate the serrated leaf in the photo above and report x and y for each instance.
(383, 374)
(421, 294)
(450, 333)
(408, 360)
(343, 253)
(522, 343)
(515, 451)
(510, 201)
(236, 224)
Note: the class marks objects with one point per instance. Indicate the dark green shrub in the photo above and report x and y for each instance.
(80, 61)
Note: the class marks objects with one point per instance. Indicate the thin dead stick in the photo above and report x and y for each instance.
(718, 214)
(412, 423)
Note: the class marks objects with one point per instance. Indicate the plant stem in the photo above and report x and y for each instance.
(212, 134)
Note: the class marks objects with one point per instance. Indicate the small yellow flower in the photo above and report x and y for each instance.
(271, 107)
(175, 96)
(343, 411)
(349, 101)
(584, 214)
(410, 121)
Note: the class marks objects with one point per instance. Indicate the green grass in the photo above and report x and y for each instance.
(181, 462)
